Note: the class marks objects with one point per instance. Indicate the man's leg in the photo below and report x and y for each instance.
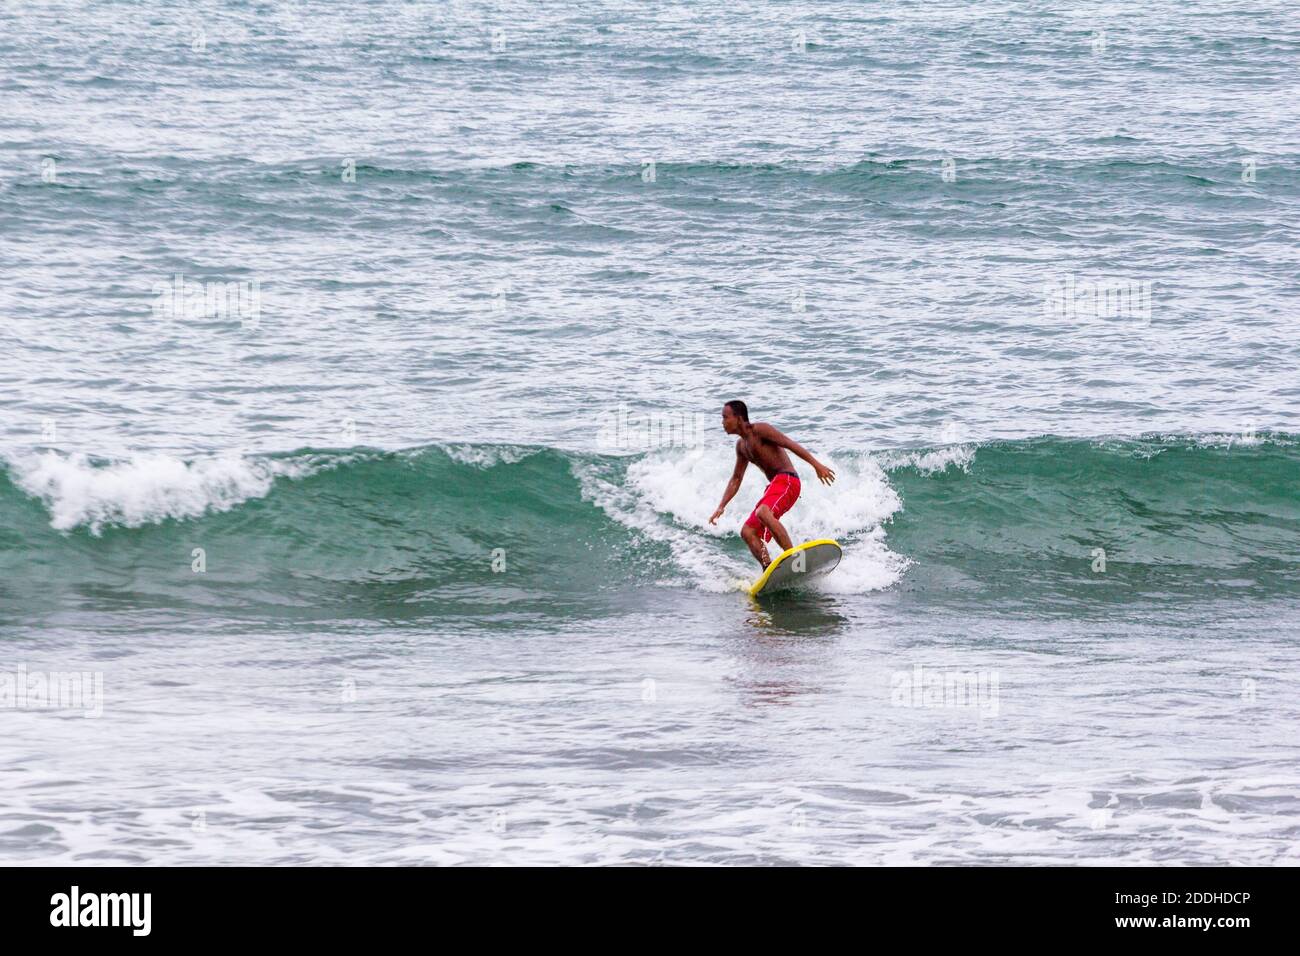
(773, 525)
(754, 538)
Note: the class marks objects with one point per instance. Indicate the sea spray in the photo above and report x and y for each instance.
(144, 489)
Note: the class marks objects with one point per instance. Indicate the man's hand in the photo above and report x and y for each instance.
(824, 474)
(717, 514)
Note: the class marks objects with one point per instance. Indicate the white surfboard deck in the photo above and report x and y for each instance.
(798, 566)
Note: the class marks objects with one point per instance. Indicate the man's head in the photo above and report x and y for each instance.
(734, 414)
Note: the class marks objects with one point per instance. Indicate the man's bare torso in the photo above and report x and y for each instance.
(771, 458)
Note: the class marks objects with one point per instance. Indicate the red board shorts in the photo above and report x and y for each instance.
(782, 492)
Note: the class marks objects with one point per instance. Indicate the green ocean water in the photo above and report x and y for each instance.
(465, 530)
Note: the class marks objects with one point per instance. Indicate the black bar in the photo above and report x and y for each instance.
(336, 906)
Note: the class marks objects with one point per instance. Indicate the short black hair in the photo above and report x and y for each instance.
(738, 408)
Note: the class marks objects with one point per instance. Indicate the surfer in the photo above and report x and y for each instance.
(766, 447)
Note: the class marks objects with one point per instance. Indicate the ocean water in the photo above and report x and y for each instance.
(360, 428)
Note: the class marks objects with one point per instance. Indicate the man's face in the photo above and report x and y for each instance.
(730, 421)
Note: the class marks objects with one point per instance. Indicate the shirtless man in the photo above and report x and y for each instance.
(767, 448)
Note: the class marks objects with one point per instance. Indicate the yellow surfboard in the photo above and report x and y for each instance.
(797, 566)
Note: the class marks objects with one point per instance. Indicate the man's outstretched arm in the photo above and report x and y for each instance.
(766, 431)
(737, 476)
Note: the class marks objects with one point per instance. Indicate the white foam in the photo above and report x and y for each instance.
(487, 456)
(629, 505)
(146, 488)
(930, 462)
(1228, 440)
(669, 496)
